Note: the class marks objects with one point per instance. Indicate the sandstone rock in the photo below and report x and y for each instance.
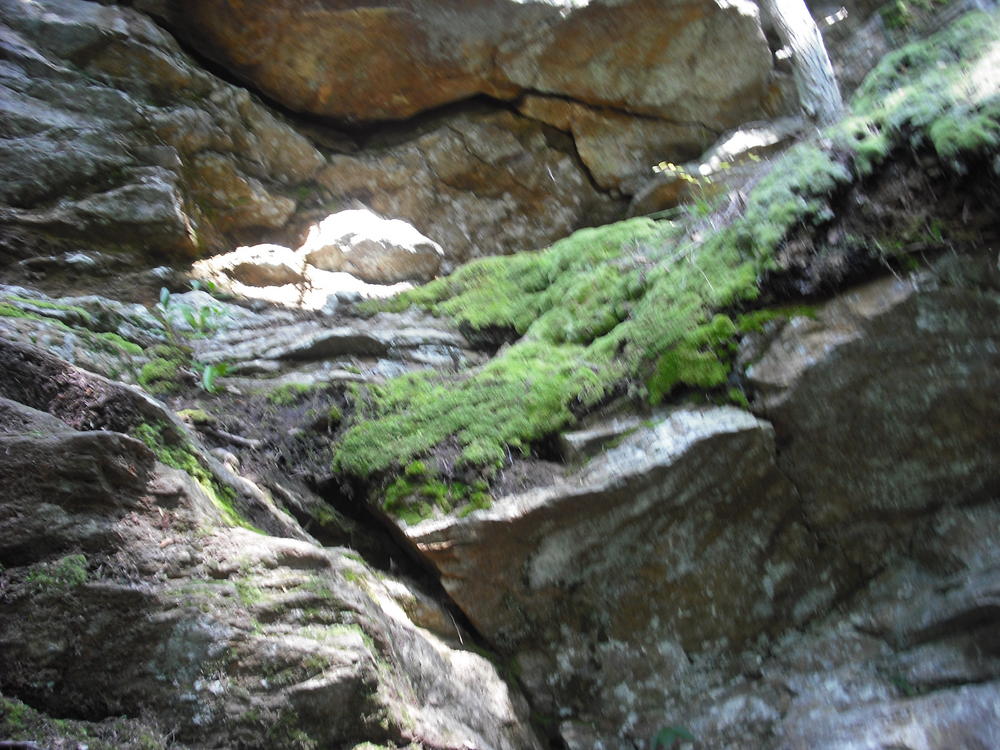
(630, 83)
(965, 717)
(578, 445)
(372, 248)
(356, 61)
(479, 184)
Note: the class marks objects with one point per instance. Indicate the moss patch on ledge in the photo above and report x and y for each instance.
(640, 301)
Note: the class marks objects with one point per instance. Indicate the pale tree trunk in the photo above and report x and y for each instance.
(814, 79)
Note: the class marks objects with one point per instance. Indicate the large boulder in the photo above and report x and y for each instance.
(632, 82)
(129, 590)
(370, 61)
(682, 541)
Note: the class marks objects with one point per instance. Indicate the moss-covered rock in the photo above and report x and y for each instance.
(641, 300)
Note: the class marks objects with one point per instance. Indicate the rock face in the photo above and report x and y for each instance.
(935, 340)
(112, 132)
(481, 183)
(630, 83)
(126, 591)
(169, 160)
(657, 584)
(366, 61)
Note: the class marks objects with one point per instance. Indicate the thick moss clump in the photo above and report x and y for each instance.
(641, 301)
(944, 91)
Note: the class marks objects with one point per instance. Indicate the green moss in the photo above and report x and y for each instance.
(925, 91)
(196, 416)
(287, 395)
(477, 501)
(160, 375)
(515, 291)
(416, 469)
(19, 721)
(414, 497)
(81, 315)
(248, 594)
(9, 311)
(126, 346)
(59, 576)
(183, 458)
(966, 132)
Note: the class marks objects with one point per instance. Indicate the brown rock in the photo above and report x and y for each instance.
(391, 60)
(481, 184)
(619, 149)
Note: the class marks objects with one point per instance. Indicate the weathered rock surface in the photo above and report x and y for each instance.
(377, 250)
(630, 83)
(126, 591)
(663, 581)
(886, 401)
(682, 540)
(390, 60)
(722, 170)
(483, 183)
(113, 133)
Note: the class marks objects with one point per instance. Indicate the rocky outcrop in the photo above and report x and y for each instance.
(631, 83)
(127, 590)
(666, 576)
(365, 61)
(113, 133)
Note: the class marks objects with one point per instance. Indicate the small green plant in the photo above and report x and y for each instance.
(61, 575)
(209, 373)
(203, 319)
(165, 371)
(670, 737)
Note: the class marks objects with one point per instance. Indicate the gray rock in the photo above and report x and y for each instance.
(682, 541)
(112, 132)
(581, 444)
(886, 402)
(228, 635)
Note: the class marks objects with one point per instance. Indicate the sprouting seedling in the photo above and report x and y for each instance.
(209, 374)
